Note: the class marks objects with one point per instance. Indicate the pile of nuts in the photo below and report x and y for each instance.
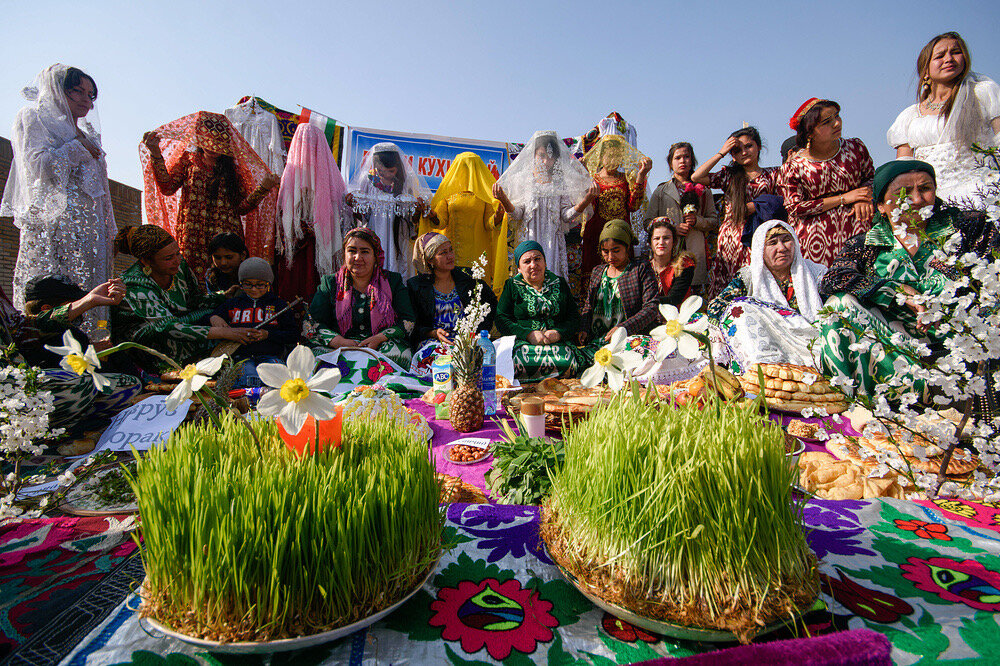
(463, 453)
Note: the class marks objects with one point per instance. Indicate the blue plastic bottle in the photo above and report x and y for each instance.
(488, 382)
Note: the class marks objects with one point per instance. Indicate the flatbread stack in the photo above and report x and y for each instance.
(829, 478)
(792, 388)
(867, 449)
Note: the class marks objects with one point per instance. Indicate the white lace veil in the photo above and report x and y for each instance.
(526, 180)
(966, 123)
(35, 193)
(409, 186)
(806, 275)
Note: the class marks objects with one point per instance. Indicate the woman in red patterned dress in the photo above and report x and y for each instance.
(742, 181)
(826, 184)
(620, 172)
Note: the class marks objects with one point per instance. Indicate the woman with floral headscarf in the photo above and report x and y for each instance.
(620, 173)
(218, 175)
(463, 209)
(364, 305)
(440, 293)
(57, 190)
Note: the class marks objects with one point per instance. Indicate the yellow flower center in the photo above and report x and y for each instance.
(189, 371)
(79, 364)
(603, 356)
(294, 390)
(673, 328)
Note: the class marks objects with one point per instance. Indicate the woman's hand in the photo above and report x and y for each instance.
(593, 192)
(421, 206)
(751, 208)
(609, 334)
(340, 341)
(270, 181)
(502, 197)
(537, 338)
(860, 195)
(374, 341)
(917, 308)
(217, 321)
(647, 165)
(110, 293)
(441, 335)
(88, 144)
(152, 141)
(863, 211)
(684, 227)
(581, 338)
(552, 336)
(727, 147)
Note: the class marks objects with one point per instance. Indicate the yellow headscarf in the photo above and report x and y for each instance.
(615, 151)
(467, 173)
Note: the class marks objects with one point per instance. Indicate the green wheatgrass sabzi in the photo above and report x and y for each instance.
(682, 514)
(247, 545)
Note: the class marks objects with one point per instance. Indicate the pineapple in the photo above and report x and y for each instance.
(466, 406)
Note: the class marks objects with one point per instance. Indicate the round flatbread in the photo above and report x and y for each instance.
(784, 371)
(796, 406)
(819, 386)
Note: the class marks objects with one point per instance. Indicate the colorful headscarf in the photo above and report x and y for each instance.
(526, 246)
(142, 242)
(424, 249)
(379, 292)
(618, 230)
(210, 131)
(467, 173)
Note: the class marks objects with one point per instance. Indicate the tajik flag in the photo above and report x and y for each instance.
(326, 125)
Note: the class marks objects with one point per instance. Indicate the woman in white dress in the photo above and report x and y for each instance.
(546, 190)
(57, 191)
(389, 194)
(956, 107)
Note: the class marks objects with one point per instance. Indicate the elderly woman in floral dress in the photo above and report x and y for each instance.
(538, 308)
(876, 268)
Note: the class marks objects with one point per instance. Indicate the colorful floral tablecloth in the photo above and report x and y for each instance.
(926, 576)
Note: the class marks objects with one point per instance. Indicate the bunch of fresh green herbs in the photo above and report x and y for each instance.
(248, 544)
(521, 464)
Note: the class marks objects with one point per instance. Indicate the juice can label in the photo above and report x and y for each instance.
(441, 373)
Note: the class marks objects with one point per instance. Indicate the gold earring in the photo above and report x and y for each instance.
(147, 270)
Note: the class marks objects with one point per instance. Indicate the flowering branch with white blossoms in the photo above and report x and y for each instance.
(965, 317)
(476, 312)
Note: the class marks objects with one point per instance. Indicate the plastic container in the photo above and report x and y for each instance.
(441, 372)
(101, 333)
(488, 381)
(533, 416)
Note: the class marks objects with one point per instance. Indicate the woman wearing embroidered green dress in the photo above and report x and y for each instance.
(364, 305)
(623, 293)
(165, 303)
(875, 267)
(538, 308)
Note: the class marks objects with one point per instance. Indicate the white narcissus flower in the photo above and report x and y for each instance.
(193, 377)
(676, 332)
(612, 362)
(296, 395)
(75, 359)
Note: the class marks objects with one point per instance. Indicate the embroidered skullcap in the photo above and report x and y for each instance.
(796, 118)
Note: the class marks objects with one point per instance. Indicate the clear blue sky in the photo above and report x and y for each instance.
(494, 70)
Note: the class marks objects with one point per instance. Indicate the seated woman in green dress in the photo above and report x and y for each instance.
(622, 293)
(364, 305)
(874, 268)
(165, 303)
(538, 308)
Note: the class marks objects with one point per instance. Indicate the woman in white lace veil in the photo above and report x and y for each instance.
(545, 189)
(956, 107)
(57, 191)
(389, 195)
